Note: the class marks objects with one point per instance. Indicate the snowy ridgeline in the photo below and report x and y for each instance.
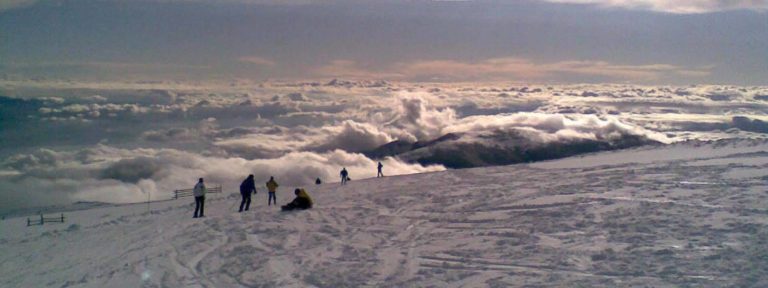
(687, 214)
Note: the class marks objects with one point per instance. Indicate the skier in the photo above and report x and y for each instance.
(272, 188)
(318, 181)
(247, 188)
(344, 175)
(380, 174)
(302, 201)
(199, 193)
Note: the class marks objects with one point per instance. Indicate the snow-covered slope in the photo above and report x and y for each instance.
(686, 214)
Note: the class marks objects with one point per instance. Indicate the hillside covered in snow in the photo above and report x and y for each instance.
(688, 214)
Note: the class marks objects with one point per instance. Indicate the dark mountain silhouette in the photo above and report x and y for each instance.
(752, 125)
(398, 147)
(498, 148)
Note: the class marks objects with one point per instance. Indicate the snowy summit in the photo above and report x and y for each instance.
(689, 214)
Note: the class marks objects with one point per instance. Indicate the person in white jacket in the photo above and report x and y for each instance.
(199, 193)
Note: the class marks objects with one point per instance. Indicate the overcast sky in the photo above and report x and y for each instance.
(633, 41)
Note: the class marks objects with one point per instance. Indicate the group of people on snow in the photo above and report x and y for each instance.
(248, 188)
(344, 174)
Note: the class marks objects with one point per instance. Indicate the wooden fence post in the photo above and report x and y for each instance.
(27, 221)
(42, 220)
(62, 217)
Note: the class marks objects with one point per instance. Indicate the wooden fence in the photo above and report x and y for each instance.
(43, 220)
(190, 192)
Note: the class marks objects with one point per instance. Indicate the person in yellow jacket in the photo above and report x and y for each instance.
(272, 188)
(301, 202)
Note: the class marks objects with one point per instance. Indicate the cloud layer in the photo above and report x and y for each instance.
(510, 68)
(109, 174)
(668, 6)
(115, 141)
(677, 6)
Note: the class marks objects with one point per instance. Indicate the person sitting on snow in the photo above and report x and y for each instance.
(302, 201)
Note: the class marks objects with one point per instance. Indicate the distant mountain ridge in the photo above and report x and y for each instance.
(467, 150)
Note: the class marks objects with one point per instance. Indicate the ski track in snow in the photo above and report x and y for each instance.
(634, 222)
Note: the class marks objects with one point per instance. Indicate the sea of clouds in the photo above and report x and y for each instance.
(64, 141)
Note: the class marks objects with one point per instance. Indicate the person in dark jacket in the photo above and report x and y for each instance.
(301, 202)
(199, 193)
(380, 174)
(247, 188)
(344, 175)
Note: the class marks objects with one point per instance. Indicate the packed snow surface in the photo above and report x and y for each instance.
(689, 214)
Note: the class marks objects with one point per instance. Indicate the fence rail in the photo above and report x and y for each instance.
(42, 220)
(190, 192)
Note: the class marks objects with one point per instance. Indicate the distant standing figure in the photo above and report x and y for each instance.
(272, 188)
(344, 175)
(247, 188)
(302, 201)
(199, 192)
(318, 181)
(380, 174)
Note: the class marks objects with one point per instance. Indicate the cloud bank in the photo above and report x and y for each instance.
(509, 68)
(66, 141)
(677, 6)
(114, 175)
